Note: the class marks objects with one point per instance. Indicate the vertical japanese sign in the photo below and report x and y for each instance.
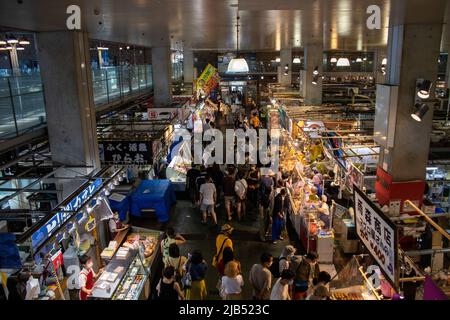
(208, 80)
(126, 152)
(379, 235)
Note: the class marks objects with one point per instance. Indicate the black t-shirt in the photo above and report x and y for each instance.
(228, 186)
(192, 176)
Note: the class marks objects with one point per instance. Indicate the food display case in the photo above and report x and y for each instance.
(129, 273)
(352, 282)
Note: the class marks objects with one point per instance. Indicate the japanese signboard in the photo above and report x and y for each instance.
(60, 217)
(126, 152)
(378, 234)
(208, 80)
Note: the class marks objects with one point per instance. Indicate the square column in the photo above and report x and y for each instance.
(162, 76)
(313, 59)
(188, 66)
(64, 60)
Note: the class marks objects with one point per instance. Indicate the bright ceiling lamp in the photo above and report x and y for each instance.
(424, 88)
(24, 41)
(297, 60)
(237, 65)
(2, 42)
(12, 40)
(384, 61)
(333, 60)
(359, 59)
(20, 48)
(420, 112)
(278, 59)
(316, 71)
(343, 62)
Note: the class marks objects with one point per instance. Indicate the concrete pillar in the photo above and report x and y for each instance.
(285, 59)
(413, 52)
(313, 59)
(64, 59)
(162, 76)
(188, 66)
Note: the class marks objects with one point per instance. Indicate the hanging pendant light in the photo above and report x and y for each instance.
(333, 60)
(343, 62)
(359, 59)
(238, 64)
(297, 60)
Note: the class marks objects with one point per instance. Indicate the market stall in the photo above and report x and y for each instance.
(129, 273)
(153, 194)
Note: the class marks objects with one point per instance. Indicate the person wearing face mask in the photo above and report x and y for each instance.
(286, 257)
(115, 225)
(261, 278)
(280, 289)
(87, 277)
(305, 273)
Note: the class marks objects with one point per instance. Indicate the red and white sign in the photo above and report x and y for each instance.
(57, 260)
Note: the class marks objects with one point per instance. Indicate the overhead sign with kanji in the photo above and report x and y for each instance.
(125, 152)
(378, 234)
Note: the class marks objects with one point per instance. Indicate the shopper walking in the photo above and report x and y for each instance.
(223, 241)
(208, 199)
(286, 257)
(232, 282)
(168, 288)
(176, 260)
(265, 216)
(229, 193)
(278, 216)
(170, 238)
(306, 270)
(196, 267)
(280, 289)
(191, 185)
(240, 187)
(261, 278)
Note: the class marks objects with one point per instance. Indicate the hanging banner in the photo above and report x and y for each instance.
(208, 80)
(60, 217)
(378, 234)
(125, 152)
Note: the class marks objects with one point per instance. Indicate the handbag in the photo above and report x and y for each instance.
(186, 281)
(215, 262)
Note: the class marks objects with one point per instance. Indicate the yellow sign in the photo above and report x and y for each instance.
(208, 80)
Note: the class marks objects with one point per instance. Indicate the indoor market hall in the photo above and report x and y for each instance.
(220, 155)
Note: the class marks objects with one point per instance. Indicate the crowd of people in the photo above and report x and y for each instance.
(286, 277)
(239, 189)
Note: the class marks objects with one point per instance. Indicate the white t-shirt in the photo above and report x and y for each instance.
(208, 190)
(240, 187)
(280, 292)
(232, 285)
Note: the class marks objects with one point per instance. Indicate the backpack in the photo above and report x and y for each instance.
(275, 267)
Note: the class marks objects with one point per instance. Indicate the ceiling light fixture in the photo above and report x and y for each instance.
(20, 48)
(238, 64)
(278, 59)
(333, 60)
(424, 89)
(2, 42)
(316, 70)
(12, 40)
(359, 59)
(297, 60)
(420, 111)
(343, 62)
(24, 41)
(384, 62)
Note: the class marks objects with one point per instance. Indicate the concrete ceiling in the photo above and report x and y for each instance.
(210, 24)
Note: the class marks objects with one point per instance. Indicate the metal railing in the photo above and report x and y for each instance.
(22, 105)
(114, 83)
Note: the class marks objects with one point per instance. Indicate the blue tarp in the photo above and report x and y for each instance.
(121, 207)
(9, 252)
(154, 194)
